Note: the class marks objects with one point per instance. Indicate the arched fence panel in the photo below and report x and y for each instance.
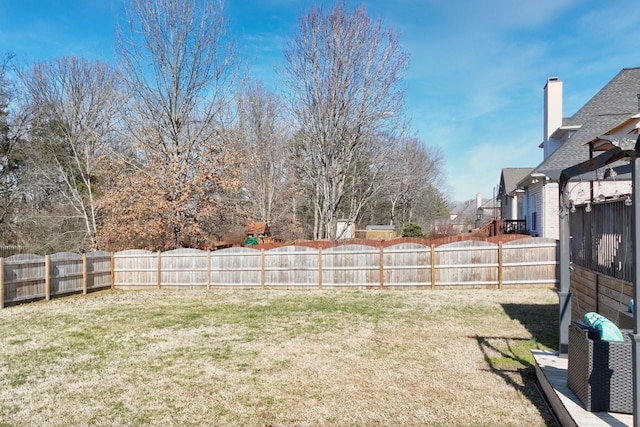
(351, 266)
(136, 268)
(236, 267)
(23, 278)
(407, 264)
(65, 273)
(291, 266)
(467, 263)
(98, 270)
(531, 261)
(184, 268)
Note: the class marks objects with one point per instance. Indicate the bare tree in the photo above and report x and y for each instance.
(72, 106)
(344, 71)
(179, 70)
(366, 177)
(262, 138)
(413, 170)
(10, 160)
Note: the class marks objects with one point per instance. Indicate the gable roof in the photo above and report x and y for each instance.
(257, 228)
(375, 227)
(614, 103)
(510, 179)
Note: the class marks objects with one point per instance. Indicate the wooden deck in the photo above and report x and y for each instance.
(552, 374)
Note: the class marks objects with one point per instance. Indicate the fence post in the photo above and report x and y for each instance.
(433, 266)
(113, 272)
(1, 283)
(159, 269)
(262, 268)
(319, 268)
(47, 278)
(381, 267)
(208, 269)
(84, 274)
(500, 267)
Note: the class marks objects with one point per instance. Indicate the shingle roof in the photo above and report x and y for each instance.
(260, 228)
(381, 227)
(511, 177)
(614, 103)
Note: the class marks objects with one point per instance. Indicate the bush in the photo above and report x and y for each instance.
(411, 229)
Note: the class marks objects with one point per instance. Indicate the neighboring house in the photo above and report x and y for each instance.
(510, 194)
(510, 200)
(471, 214)
(566, 142)
(486, 211)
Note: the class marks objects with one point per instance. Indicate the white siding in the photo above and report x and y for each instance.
(608, 188)
(550, 226)
(579, 192)
(534, 210)
(509, 208)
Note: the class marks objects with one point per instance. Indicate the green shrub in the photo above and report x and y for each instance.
(411, 229)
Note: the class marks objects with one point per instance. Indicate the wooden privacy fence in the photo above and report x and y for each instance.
(27, 277)
(529, 261)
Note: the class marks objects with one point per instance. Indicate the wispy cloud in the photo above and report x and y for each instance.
(478, 67)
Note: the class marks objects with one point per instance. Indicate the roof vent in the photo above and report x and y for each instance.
(638, 96)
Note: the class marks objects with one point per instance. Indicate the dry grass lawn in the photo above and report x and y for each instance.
(277, 358)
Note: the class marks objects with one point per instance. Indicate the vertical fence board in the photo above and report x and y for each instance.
(1, 282)
(84, 274)
(47, 277)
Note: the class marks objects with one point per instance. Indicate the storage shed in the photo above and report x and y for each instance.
(380, 232)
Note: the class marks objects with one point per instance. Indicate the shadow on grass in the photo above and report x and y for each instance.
(541, 320)
(510, 357)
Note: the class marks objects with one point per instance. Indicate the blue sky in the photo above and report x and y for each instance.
(476, 77)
